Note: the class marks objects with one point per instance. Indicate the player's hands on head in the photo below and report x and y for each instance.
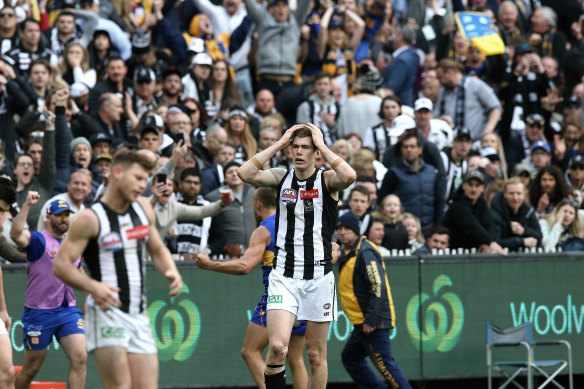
(287, 137)
(317, 137)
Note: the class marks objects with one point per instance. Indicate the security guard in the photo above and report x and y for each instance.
(367, 302)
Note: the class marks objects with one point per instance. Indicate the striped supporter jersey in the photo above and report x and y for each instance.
(116, 255)
(305, 222)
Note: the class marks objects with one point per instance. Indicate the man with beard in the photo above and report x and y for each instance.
(171, 86)
(49, 307)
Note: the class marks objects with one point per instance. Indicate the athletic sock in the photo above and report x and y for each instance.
(275, 381)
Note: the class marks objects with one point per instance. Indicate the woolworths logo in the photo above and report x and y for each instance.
(442, 317)
(176, 326)
(565, 318)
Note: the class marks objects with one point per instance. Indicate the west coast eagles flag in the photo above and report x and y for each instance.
(477, 28)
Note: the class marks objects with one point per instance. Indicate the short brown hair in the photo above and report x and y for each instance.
(267, 196)
(448, 64)
(303, 133)
(125, 159)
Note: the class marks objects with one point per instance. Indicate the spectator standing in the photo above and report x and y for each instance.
(468, 218)
(75, 65)
(379, 137)
(232, 227)
(8, 24)
(214, 177)
(29, 48)
(436, 131)
(515, 222)
(362, 270)
(468, 101)
(168, 210)
(115, 83)
(49, 307)
(278, 32)
(455, 163)
(415, 183)
(239, 132)
(78, 190)
(400, 74)
(545, 37)
(360, 111)
(205, 152)
(358, 205)
(196, 84)
(518, 148)
(44, 183)
(321, 108)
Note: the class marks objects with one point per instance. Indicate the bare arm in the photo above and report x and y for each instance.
(358, 35)
(160, 255)
(3, 311)
(492, 120)
(84, 227)
(259, 240)
(323, 32)
(18, 234)
(342, 174)
(252, 174)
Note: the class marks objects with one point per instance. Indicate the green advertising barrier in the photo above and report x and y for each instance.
(442, 306)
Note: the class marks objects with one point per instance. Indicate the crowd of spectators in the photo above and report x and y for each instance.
(452, 148)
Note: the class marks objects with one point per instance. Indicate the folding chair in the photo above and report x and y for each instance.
(521, 336)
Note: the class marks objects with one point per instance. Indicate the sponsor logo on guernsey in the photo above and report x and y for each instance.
(289, 196)
(308, 194)
(112, 241)
(138, 232)
(33, 333)
(275, 299)
(113, 332)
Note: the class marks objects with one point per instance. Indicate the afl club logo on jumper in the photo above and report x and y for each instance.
(112, 241)
(289, 196)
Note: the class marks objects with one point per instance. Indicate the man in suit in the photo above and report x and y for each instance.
(400, 74)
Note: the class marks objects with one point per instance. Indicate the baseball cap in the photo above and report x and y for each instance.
(400, 124)
(423, 103)
(197, 45)
(350, 221)
(100, 137)
(474, 175)
(78, 89)
(58, 206)
(521, 168)
(540, 144)
(202, 59)
(153, 121)
(535, 119)
(490, 153)
(274, 2)
(462, 132)
(103, 156)
(143, 74)
(577, 160)
(140, 43)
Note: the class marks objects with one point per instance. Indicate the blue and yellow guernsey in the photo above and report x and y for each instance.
(268, 256)
(364, 287)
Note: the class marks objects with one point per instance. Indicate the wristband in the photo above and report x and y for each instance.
(256, 161)
(335, 164)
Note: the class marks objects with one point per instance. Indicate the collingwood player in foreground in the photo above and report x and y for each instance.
(112, 236)
(301, 285)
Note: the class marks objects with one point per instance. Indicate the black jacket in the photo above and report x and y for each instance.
(470, 225)
(502, 217)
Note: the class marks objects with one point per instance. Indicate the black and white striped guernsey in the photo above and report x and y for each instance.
(305, 222)
(116, 255)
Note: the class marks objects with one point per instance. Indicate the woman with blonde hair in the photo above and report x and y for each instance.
(75, 65)
(493, 140)
(414, 229)
(239, 133)
(391, 212)
(562, 224)
(343, 149)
